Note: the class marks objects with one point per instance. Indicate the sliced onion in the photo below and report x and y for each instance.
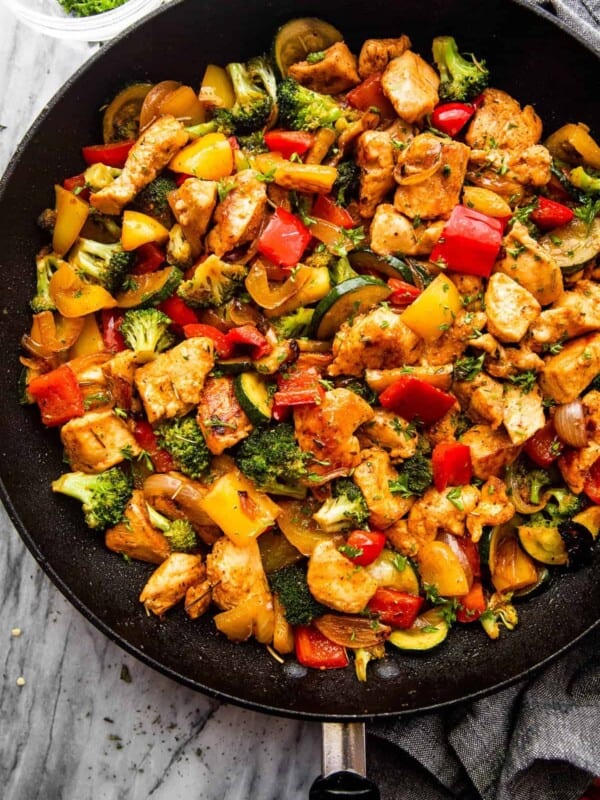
(569, 423)
(454, 545)
(271, 297)
(151, 105)
(353, 632)
(183, 492)
(420, 161)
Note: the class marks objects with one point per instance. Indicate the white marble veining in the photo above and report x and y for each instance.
(76, 729)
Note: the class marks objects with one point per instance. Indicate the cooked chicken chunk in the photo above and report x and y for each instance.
(509, 172)
(97, 441)
(510, 308)
(333, 74)
(437, 195)
(435, 513)
(574, 464)
(567, 374)
(172, 384)
(373, 476)
(392, 233)
(403, 540)
(372, 341)
(376, 54)
(500, 123)
(198, 597)
(220, 417)
(239, 215)
(482, 399)
(493, 508)
(411, 85)
(505, 362)
(491, 450)
(375, 157)
(391, 432)
(327, 431)
(236, 573)
(135, 537)
(192, 205)
(151, 153)
(336, 582)
(523, 413)
(530, 266)
(575, 312)
(169, 583)
(120, 374)
(454, 341)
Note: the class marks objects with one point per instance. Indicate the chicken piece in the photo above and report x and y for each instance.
(494, 508)
(376, 54)
(172, 384)
(327, 431)
(491, 450)
(333, 74)
(574, 464)
(120, 374)
(470, 287)
(499, 122)
(435, 513)
(454, 341)
(192, 205)
(508, 172)
(220, 417)
(411, 85)
(439, 375)
(153, 150)
(375, 157)
(198, 597)
(445, 429)
(345, 142)
(97, 441)
(530, 266)
(523, 413)
(402, 539)
(236, 573)
(575, 312)
(135, 537)
(238, 217)
(336, 582)
(510, 308)
(392, 233)
(373, 476)
(506, 362)
(567, 374)
(390, 432)
(437, 195)
(169, 583)
(372, 341)
(482, 399)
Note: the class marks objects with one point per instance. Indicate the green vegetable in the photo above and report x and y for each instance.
(351, 297)
(341, 271)
(430, 630)
(147, 330)
(213, 283)
(301, 109)
(294, 325)
(252, 393)
(98, 262)
(99, 176)
(152, 200)
(183, 439)
(415, 476)
(46, 265)
(178, 532)
(588, 183)
(560, 507)
(149, 289)
(347, 183)
(346, 508)
(272, 459)
(300, 37)
(299, 606)
(103, 496)
(461, 78)
(86, 8)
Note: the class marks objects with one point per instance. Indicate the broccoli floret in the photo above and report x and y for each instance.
(46, 265)
(272, 459)
(86, 8)
(178, 532)
(461, 78)
(152, 200)
(183, 439)
(346, 508)
(561, 506)
(106, 264)
(179, 250)
(103, 496)
(101, 228)
(579, 177)
(47, 220)
(340, 270)
(538, 480)
(294, 325)
(415, 476)
(99, 176)
(301, 109)
(214, 283)
(290, 586)
(146, 330)
(320, 257)
(260, 70)
(347, 182)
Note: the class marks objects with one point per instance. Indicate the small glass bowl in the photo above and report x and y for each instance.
(49, 17)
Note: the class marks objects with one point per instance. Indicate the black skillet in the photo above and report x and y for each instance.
(529, 56)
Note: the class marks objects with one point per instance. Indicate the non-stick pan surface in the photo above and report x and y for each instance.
(529, 57)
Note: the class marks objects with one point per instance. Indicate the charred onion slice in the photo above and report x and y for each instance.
(353, 632)
(569, 423)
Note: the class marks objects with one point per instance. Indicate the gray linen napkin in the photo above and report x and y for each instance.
(537, 740)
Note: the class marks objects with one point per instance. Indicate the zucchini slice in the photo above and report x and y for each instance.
(299, 37)
(408, 269)
(121, 119)
(543, 582)
(573, 245)
(543, 543)
(344, 301)
(234, 366)
(253, 396)
(429, 630)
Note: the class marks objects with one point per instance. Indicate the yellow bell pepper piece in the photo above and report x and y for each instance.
(216, 83)
(440, 567)
(316, 284)
(71, 214)
(75, 298)
(238, 508)
(434, 310)
(486, 201)
(183, 104)
(138, 229)
(573, 143)
(254, 615)
(210, 157)
(590, 519)
(296, 176)
(89, 340)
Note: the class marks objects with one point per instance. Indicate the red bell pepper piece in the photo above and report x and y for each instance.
(181, 177)
(111, 330)
(450, 118)
(324, 208)
(76, 184)
(549, 214)
(317, 651)
(285, 239)
(470, 242)
(369, 94)
(363, 547)
(223, 347)
(416, 399)
(299, 387)
(472, 605)
(289, 143)
(113, 155)
(181, 314)
(451, 463)
(249, 336)
(58, 395)
(148, 258)
(395, 608)
(148, 441)
(279, 412)
(544, 447)
(403, 293)
(591, 486)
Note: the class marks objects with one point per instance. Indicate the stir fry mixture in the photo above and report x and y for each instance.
(322, 344)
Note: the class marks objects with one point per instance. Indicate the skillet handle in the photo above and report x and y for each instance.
(344, 765)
